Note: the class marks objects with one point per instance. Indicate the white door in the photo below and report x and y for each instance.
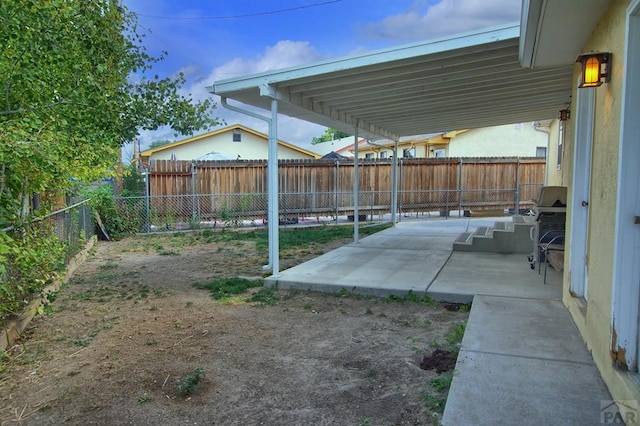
(626, 272)
(585, 105)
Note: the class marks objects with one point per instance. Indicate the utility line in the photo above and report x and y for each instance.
(248, 15)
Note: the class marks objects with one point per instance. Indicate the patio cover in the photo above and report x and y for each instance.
(464, 81)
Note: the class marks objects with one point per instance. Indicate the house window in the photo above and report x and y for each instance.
(541, 152)
(409, 153)
(439, 153)
(369, 155)
(560, 143)
(384, 154)
(237, 135)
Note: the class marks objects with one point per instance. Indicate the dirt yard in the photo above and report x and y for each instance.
(131, 323)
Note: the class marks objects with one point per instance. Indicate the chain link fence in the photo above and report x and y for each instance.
(198, 211)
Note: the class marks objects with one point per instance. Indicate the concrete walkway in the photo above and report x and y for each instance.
(522, 360)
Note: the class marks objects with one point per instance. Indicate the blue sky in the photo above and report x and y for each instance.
(217, 39)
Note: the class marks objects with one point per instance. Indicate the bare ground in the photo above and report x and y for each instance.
(130, 323)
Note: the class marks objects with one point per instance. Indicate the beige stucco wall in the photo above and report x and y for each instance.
(251, 147)
(511, 140)
(594, 318)
(554, 167)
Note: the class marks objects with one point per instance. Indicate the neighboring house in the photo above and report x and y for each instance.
(337, 145)
(601, 147)
(232, 142)
(512, 140)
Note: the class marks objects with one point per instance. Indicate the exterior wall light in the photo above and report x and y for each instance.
(565, 114)
(595, 69)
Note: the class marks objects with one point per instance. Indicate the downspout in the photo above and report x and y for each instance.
(539, 128)
(272, 180)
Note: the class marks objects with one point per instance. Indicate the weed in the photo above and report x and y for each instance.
(435, 344)
(365, 422)
(226, 287)
(417, 350)
(265, 296)
(143, 293)
(343, 292)
(456, 334)
(98, 293)
(109, 265)
(464, 308)
(371, 374)
(189, 383)
(144, 398)
(442, 382)
(150, 342)
(368, 311)
(342, 311)
(307, 306)
(153, 308)
(189, 304)
(411, 297)
(82, 342)
(434, 402)
(425, 323)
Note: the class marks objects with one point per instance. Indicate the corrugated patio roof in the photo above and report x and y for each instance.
(465, 81)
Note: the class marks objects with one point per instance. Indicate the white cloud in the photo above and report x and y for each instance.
(446, 17)
(283, 54)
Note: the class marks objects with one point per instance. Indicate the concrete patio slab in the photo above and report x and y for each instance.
(417, 256)
(522, 362)
(467, 274)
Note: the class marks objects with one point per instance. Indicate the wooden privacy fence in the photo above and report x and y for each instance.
(209, 189)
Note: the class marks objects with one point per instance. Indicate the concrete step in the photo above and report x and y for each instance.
(504, 237)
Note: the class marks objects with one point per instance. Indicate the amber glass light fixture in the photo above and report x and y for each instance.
(595, 69)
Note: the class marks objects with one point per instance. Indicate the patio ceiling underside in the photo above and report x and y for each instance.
(463, 82)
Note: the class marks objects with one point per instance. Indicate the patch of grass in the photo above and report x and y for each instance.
(143, 292)
(434, 402)
(443, 382)
(189, 383)
(162, 251)
(108, 265)
(425, 323)
(464, 308)
(100, 293)
(82, 342)
(456, 334)
(227, 287)
(303, 237)
(411, 297)
(265, 296)
(343, 292)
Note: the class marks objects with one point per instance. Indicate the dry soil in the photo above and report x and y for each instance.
(130, 323)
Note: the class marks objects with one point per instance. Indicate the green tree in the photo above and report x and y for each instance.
(74, 88)
(329, 135)
(156, 144)
(75, 85)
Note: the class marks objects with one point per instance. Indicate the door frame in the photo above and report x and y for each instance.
(625, 307)
(585, 108)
